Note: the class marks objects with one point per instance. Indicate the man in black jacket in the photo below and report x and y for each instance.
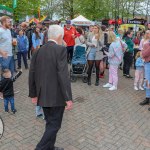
(29, 33)
(49, 83)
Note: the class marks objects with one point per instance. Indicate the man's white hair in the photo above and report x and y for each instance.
(55, 31)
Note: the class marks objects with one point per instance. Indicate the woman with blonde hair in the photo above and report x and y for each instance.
(145, 39)
(95, 55)
(115, 56)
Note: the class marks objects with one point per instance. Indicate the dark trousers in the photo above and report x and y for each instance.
(24, 55)
(70, 53)
(53, 117)
(29, 50)
(128, 58)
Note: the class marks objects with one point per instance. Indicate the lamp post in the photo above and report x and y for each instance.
(115, 1)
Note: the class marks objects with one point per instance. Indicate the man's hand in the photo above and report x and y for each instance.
(69, 105)
(34, 100)
(4, 54)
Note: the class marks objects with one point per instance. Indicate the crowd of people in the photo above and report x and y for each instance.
(105, 47)
(51, 47)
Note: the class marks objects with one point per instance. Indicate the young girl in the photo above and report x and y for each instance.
(139, 72)
(115, 56)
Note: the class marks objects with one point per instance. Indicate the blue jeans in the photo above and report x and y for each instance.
(7, 101)
(8, 63)
(92, 54)
(147, 78)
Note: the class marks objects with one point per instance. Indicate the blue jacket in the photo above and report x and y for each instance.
(139, 62)
(37, 42)
(22, 43)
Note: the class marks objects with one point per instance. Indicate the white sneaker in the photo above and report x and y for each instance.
(112, 88)
(136, 88)
(141, 88)
(108, 85)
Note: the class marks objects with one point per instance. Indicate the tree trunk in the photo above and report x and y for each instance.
(134, 7)
(71, 10)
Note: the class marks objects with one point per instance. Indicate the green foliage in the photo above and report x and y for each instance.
(92, 9)
(24, 7)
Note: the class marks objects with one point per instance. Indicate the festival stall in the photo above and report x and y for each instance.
(134, 24)
(81, 21)
(6, 11)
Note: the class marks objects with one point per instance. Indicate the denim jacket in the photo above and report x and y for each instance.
(37, 42)
(139, 62)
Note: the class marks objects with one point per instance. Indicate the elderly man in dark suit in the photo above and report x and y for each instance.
(49, 83)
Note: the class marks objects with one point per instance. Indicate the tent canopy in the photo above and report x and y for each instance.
(81, 21)
(5, 11)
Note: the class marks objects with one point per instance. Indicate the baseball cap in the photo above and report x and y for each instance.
(68, 21)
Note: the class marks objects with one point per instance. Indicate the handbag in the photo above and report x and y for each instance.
(99, 52)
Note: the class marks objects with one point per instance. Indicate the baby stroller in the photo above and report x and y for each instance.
(79, 64)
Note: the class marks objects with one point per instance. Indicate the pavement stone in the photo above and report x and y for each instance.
(100, 120)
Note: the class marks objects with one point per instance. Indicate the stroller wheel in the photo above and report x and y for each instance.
(73, 79)
(84, 79)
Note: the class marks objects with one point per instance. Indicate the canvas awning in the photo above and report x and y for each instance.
(6, 11)
(81, 21)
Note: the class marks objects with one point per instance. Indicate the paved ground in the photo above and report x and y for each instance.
(100, 120)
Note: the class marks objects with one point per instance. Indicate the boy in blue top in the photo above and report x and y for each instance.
(22, 45)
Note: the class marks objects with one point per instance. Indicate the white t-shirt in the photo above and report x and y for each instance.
(94, 41)
(6, 41)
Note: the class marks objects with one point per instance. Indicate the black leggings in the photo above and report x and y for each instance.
(128, 58)
(90, 67)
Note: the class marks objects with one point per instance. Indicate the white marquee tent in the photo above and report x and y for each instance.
(81, 21)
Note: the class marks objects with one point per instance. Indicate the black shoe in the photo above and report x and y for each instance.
(19, 68)
(89, 82)
(7, 111)
(26, 67)
(58, 148)
(97, 83)
(145, 102)
(14, 111)
(40, 115)
(149, 109)
(124, 75)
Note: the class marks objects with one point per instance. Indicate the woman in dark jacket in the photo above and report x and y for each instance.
(128, 56)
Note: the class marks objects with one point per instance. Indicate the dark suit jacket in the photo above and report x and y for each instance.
(49, 77)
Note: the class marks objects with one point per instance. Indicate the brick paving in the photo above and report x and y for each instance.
(100, 120)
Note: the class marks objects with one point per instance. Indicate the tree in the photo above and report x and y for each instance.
(24, 7)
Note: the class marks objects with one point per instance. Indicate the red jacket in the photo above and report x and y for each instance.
(68, 36)
(136, 41)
